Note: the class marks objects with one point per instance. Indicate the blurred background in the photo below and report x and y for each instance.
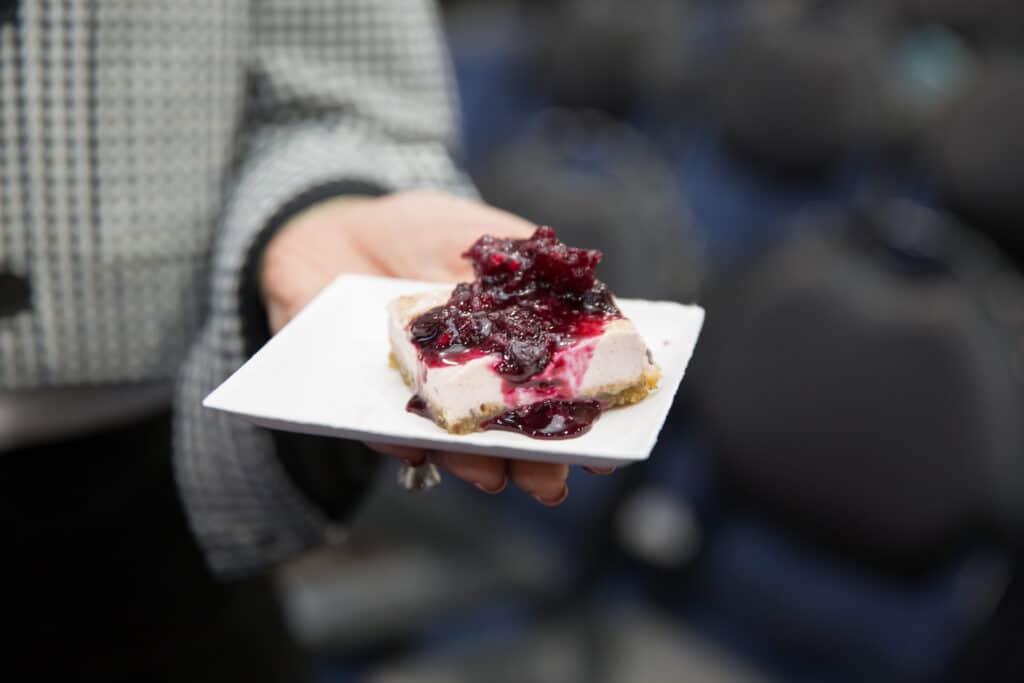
(839, 492)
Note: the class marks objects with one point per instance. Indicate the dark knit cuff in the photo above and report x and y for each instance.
(333, 473)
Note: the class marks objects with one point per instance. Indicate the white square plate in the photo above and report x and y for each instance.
(327, 373)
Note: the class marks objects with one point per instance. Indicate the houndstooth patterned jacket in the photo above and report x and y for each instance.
(146, 148)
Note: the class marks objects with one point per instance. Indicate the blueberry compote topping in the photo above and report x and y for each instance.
(530, 298)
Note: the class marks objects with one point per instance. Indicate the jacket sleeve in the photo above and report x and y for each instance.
(343, 96)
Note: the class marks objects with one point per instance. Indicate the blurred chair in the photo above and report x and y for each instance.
(974, 151)
(609, 55)
(800, 98)
(411, 562)
(984, 22)
(635, 645)
(862, 387)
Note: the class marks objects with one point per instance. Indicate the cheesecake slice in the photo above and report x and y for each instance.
(535, 344)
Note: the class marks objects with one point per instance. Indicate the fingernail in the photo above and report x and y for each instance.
(600, 471)
(492, 492)
(554, 501)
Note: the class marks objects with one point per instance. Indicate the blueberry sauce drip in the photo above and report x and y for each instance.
(418, 406)
(550, 419)
(530, 298)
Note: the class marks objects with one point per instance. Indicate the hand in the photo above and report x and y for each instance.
(417, 235)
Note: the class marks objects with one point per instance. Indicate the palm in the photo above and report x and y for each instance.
(419, 236)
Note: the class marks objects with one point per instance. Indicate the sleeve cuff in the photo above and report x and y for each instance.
(332, 473)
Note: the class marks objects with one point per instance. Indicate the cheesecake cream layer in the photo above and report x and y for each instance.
(613, 367)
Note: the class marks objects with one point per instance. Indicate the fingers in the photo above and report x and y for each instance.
(546, 482)
(485, 473)
(412, 456)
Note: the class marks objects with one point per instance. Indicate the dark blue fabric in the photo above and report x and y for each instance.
(8, 10)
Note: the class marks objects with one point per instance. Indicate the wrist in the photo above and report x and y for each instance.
(251, 302)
